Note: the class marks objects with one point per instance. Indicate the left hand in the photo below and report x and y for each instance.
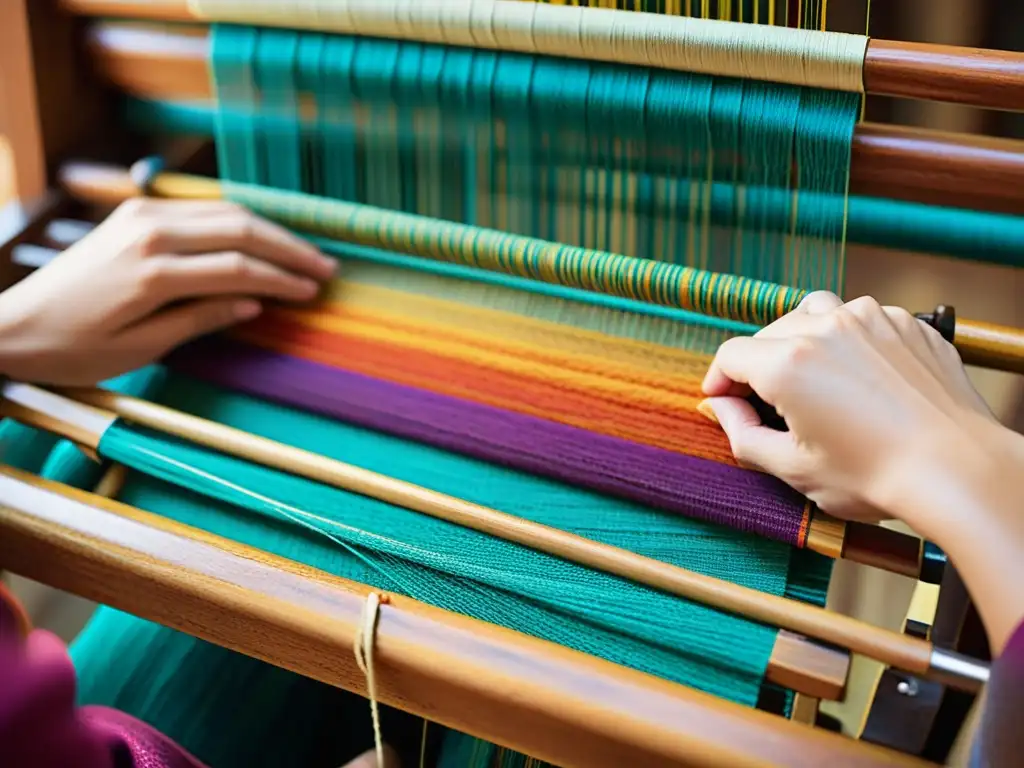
(154, 275)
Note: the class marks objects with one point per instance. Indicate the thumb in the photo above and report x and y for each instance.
(170, 328)
(754, 445)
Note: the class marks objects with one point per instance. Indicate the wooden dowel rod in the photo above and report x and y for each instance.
(533, 696)
(988, 345)
(975, 77)
(909, 654)
(972, 76)
(979, 344)
(886, 161)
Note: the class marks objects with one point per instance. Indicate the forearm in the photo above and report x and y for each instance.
(964, 490)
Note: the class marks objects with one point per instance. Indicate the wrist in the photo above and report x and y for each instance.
(964, 472)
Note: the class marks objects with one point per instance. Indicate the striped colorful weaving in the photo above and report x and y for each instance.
(432, 359)
(435, 561)
(560, 385)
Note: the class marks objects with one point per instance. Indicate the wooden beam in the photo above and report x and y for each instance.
(536, 697)
(972, 76)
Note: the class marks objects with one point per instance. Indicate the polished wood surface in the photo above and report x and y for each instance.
(972, 76)
(938, 168)
(884, 548)
(21, 140)
(542, 699)
(988, 345)
(168, 64)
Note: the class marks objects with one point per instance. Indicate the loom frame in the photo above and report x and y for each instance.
(53, 109)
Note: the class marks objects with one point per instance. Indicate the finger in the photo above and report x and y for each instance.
(819, 302)
(872, 316)
(914, 335)
(162, 332)
(745, 364)
(174, 278)
(803, 318)
(241, 231)
(754, 445)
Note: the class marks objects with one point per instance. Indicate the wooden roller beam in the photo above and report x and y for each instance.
(971, 76)
(988, 345)
(171, 64)
(548, 701)
(975, 77)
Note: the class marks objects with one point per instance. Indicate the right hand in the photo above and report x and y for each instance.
(864, 389)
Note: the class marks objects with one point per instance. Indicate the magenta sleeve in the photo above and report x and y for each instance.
(999, 742)
(40, 724)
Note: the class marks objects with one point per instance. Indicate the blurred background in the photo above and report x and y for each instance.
(913, 281)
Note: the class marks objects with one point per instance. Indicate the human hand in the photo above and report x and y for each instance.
(861, 387)
(153, 275)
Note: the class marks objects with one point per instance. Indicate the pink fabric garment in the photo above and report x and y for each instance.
(42, 727)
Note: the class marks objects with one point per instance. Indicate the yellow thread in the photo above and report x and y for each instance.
(612, 355)
(807, 57)
(363, 649)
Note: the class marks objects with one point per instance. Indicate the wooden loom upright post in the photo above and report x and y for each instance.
(22, 157)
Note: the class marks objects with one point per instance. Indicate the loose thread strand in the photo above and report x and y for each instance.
(363, 649)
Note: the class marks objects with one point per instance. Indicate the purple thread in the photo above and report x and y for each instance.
(698, 488)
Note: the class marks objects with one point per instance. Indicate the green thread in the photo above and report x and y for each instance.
(726, 296)
(993, 238)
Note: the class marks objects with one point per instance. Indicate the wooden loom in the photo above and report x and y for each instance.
(581, 711)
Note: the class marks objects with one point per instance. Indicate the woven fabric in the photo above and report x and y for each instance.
(697, 488)
(399, 550)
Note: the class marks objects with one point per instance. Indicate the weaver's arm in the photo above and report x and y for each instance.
(883, 423)
(154, 275)
(40, 726)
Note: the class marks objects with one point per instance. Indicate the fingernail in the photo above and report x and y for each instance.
(247, 310)
(704, 409)
(310, 287)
